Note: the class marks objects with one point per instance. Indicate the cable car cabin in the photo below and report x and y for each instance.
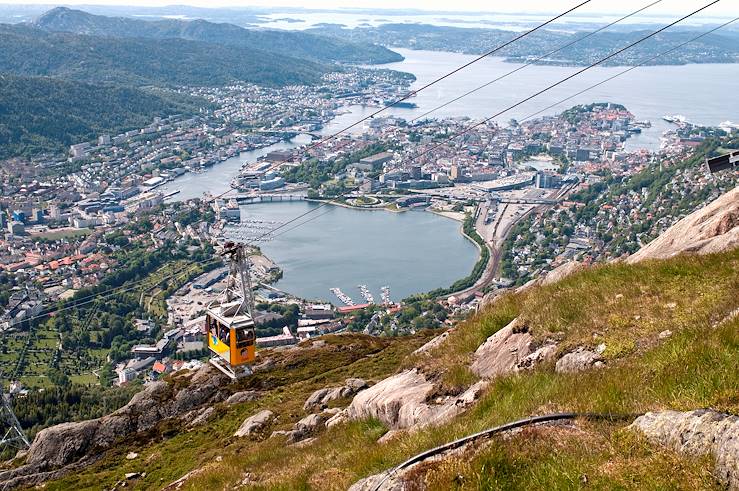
(230, 337)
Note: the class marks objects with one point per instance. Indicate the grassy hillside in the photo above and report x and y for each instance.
(39, 114)
(295, 44)
(622, 305)
(25, 50)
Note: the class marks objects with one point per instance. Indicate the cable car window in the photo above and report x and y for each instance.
(244, 337)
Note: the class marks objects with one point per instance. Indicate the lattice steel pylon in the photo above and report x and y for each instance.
(11, 433)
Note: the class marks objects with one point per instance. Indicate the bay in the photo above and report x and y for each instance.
(411, 252)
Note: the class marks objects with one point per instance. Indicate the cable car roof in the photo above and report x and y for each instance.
(218, 311)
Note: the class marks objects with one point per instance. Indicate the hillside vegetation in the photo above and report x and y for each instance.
(26, 50)
(626, 307)
(39, 114)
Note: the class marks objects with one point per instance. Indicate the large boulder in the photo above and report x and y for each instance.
(579, 360)
(320, 398)
(502, 351)
(713, 228)
(400, 402)
(543, 354)
(699, 432)
(241, 397)
(58, 445)
(255, 423)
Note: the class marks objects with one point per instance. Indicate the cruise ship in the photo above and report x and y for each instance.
(676, 119)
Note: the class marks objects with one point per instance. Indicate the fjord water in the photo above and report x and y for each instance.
(703, 93)
(412, 252)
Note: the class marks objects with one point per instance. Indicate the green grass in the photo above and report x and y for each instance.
(623, 306)
(62, 234)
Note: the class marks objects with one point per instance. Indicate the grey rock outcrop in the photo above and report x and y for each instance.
(502, 351)
(699, 432)
(434, 343)
(62, 445)
(241, 397)
(380, 482)
(320, 398)
(399, 401)
(542, 354)
(305, 428)
(310, 423)
(337, 418)
(561, 272)
(255, 423)
(579, 360)
(713, 228)
(197, 418)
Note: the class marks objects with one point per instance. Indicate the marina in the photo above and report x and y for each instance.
(366, 293)
(343, 297)
(385, 294)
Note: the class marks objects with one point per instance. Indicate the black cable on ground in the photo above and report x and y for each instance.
(547, 418)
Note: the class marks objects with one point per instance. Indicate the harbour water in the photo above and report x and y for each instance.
(217, 179)
(412, 252)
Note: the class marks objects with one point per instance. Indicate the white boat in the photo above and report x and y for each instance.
(366, 293)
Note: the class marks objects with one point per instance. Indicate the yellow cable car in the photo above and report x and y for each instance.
(229, 320)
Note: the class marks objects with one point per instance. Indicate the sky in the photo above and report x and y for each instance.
(723, 8)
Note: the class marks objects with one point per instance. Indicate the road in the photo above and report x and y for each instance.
(495, 234)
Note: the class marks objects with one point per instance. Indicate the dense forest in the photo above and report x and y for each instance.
(295, 44)
(39, 114)
(26, 50)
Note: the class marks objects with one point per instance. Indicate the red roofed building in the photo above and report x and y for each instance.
(352, 308)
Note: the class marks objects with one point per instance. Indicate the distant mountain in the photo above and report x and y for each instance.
(39, 114)
(27, 50)
(289, 43)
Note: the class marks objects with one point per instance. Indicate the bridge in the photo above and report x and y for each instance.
(267, 198)
(288, 134)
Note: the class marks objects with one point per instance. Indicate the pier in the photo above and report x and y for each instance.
(385, 294)
(366, 293)
(343, 297)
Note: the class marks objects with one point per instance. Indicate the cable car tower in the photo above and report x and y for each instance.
(229, 319)
(11, 433)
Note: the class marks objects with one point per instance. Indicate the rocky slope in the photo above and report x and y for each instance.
(711, 229)
(66, 446)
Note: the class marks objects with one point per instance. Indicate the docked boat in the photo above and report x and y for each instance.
(366, 293)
